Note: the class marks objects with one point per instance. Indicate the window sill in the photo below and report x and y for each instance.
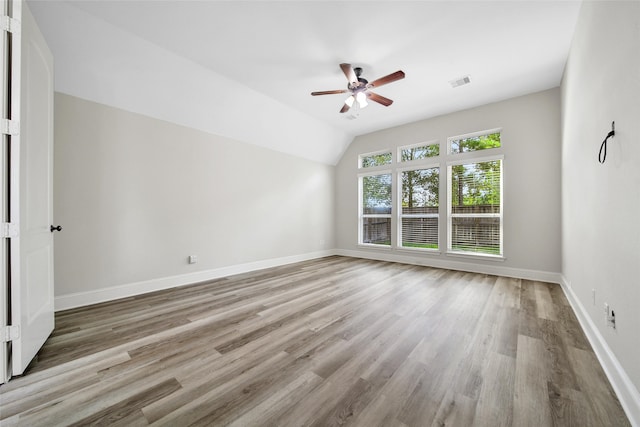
(496, 258)
(373, 246)
(418, 251)
(400, 249)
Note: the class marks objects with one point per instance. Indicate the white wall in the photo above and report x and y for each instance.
(137, 195)
(601, 202)
(531, 147)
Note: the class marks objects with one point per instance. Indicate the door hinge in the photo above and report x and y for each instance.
(9, 230)
(9, 127)
(9, 24)
(9, 333)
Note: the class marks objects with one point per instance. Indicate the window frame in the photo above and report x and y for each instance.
(443, 162)
(450, 139)
(375, 153)
(418, 144)
(411, 166)
(450, 215)
(378, 170)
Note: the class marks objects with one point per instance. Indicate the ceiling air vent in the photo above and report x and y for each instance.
(460, 81)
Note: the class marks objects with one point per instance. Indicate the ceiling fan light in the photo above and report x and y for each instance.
(349, 101)
(362, 99)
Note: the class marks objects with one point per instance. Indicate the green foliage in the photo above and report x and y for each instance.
(420, 188)
(491, 250)
(376, 193)
(476, 184)
(375, 160)
(475, 143)
(417, 153)
(420, 245)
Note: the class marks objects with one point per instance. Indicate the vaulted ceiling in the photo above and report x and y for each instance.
(245, 69)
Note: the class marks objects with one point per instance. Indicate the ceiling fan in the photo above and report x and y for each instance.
(360, 88)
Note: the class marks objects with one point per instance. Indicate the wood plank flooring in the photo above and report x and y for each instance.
(333, 341)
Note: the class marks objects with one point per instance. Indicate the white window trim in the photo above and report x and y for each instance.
(427, 163)
(475, 159)
(451, 215)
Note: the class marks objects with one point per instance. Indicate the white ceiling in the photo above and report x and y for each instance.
(284, 50)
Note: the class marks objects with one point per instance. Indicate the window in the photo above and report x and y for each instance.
(474, 142)
(375, 209)
(419, 152)
(419, 208)
(374, 159)
(407, 178)
(475, 207)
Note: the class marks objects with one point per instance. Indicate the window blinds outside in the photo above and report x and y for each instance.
(419, 213)
(475, 207)
(375, 215)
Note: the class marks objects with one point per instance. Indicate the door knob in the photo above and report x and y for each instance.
(58, 228)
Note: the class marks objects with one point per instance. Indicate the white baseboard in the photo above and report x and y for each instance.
(79, 299)
(487, 268)
(627, 393)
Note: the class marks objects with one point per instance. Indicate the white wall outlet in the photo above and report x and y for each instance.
(611, 321)
(593, 295)
(610, 316)
(193, 259)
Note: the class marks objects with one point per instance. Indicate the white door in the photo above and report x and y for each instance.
(31, 198)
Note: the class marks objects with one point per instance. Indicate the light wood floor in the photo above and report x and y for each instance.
(334, 341)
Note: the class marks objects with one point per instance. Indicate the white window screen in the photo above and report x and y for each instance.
(419, 152)
(475, 207)
(474, 143)
(375, 213)
(372, 160)
(419, 210)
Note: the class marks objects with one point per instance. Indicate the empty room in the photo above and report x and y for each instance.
(296, 213)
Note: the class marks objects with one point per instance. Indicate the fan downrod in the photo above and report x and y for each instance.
(361, 80)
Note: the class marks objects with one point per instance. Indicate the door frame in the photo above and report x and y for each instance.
(11, 62)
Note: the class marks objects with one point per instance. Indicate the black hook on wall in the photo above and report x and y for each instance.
(602, 155)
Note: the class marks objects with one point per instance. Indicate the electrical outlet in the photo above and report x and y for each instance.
(609, 316)
(611, 321)
(193, 259)
(593, 295)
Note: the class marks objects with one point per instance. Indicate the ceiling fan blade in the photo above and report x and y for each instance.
(398, 75)
(344, 108)
(347, 69)
(328, 92)
(379, 99)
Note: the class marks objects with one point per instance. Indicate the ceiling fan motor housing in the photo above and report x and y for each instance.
(362, 82)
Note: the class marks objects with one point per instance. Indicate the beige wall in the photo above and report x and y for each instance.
(136, 196)
(531, 148)
(601, 202)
